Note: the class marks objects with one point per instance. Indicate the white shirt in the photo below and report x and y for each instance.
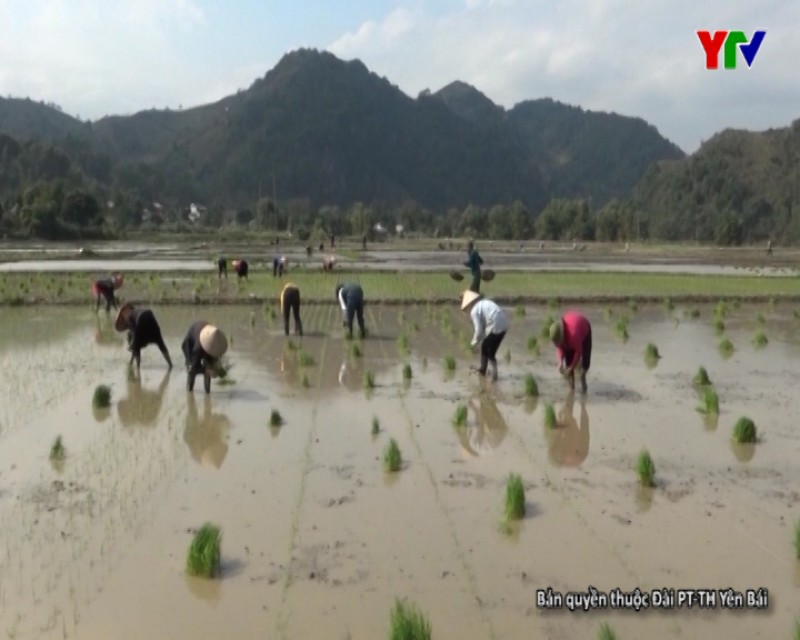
(487, 318)
(341, 299)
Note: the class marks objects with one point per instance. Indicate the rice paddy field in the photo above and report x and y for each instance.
(325, 526)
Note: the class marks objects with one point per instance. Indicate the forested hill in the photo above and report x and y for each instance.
(335, 133)
(740, 186)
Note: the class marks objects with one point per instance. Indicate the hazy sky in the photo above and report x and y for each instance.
(635, 57)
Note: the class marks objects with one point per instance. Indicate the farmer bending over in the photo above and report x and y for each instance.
(351, 300)
(202, 348)
(105, 287)
(143, 330)
(241, 268)
(572, 336)
(474, 262)
(290, 303)
(490, 324)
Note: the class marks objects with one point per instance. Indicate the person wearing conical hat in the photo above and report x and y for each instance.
(104, 288)
(203, 347)
(490, 324)
(572, 337)
(290, 303)
(143, 329)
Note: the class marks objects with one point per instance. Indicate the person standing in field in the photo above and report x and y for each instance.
(290, 303)
(572, 337)
(351, 300)
(143, 329)
(473, 263)
(105, 288)
(203, 348)
(490, 323)
(222, 267)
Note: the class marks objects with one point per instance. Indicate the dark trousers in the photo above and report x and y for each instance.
(357, 310)
(108, 294)
(222, 267)
(489, 347)
(586, 356)
(475, 285)
(291, 304)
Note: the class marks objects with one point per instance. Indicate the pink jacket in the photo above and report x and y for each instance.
(576, 328)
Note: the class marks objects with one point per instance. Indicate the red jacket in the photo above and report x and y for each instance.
(576, 328)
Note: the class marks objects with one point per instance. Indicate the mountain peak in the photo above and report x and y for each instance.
(468, 102)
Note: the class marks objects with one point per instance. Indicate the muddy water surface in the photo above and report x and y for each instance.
(318, 541)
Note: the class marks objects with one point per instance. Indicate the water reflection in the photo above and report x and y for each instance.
(141, 406)
(351, 374)
(569, 443)
(208, 591)
(104, 333)
(206, 437)
(744, 452)
(487, 431)
(289, 367)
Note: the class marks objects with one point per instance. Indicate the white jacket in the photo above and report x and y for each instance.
(487, 318)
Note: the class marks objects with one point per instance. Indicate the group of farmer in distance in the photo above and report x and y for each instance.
(204, 344)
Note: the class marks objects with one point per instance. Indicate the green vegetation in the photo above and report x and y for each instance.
(407, 373)
(533, 344)
(651, 352)
(693, 313)
(621, 328)
(449, 363)
(531, 388)
(606, 633)
(102, 397)
(726, 347)
(376, 426)
(515, 498)
(719, 326)
(402, 343)
(369, 379)
(744, 431)
(275, 418)
(203, 558)
(669, 305)
(305, 359)
(701, 377)
(544, 330)
(550, 420)
(760, 318)
(797, 539)
(355, 350)
(645, 469)
(710, 404)
(460, 416)
(304, 381)
(519, 311)
(760, 339)
(57, 450)
(392, 459)
(408, 623)
(507, 356)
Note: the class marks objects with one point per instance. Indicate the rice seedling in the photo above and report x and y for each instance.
(519, 311)
(550, 420)
(305, 359)
(355, 350)
(102, 397)
(701, 377)
(726, 347)
(633, 306)
(304, 381)
(203, 558)
(719, 326)
(669, 305)
(369, 379)
(797, 539)
(402, 343)
(507, 356)
(621, 327)
(745, 430)
(606, 633)
(252, 319)
(760, 318)
(392, 459)
(710, 404)
(693, 313)
(449, 363)
(275, 418)
(760, 339)
(651, 352)
(533, 344)
(645, 469)
(57, 450)
(552, 303)
(407, 373)
(290, 345)
(408, 623)
(515, 498)
(797, 629)
(544, 330)
(531, 388)
(460, 416)
(376, 426)
(721, 309)
(608, 313)
(796, 313)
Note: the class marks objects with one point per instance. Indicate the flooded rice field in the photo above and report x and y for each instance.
(318, 540)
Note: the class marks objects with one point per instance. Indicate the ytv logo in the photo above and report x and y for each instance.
(733, 41)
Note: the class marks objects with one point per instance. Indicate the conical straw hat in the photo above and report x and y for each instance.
(468, 298)
(213, 341)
